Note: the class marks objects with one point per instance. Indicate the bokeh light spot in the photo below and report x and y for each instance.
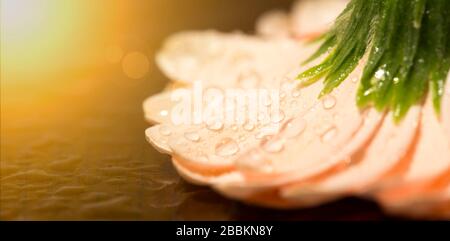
(135, 65)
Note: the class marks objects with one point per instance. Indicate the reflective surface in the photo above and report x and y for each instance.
(72, 137)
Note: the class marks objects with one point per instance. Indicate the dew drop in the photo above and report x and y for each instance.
(416, 24)
(164, 113)
(254, 160)
(329, 134)
(294, 128)
(242, 138)
(272, 145)
(202, 157)
(348, 161)
(165, 131)
(267, 102)
(234, 127)
(214, 125)
(296, 93)
(255, 156)
(262, 116)
(227, 147)
(249, 79)
(329, 102)
(249, 126)
(278, 117)
(380, 74)
(261, 134)
(192, 136)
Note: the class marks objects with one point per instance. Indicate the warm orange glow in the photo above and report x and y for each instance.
(114, 53)
(42, 39)
(36, 30)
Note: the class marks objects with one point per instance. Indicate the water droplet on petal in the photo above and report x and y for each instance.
(249, 126)
(165, 130)
(329, 102)
(261, 134)
(278, 117)
(296, 93)
(294, 128)
(192, 136)
(254, 160)
(263, 117)
(267, 102)
(348, 161)
(255, 155)
(272, 145)
(202, 158)
(329, 134)
(214, 125)
(249, 79)
(227, 147)
(164, 113)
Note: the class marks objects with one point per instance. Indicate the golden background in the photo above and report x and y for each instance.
(74, 74)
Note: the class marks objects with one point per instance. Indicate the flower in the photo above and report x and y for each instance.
(316, 151)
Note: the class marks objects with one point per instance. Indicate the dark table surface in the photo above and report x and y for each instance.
(76, 150)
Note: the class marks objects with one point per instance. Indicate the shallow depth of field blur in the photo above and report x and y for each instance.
(73, 76)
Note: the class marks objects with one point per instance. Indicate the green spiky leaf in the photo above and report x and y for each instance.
(407, 44)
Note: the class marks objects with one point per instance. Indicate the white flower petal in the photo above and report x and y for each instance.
(429, 171)
(157, 108)
(218, 59)
(369, 166)
(275, 23)
(446, 108)
(310, 18)
(271, 60)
